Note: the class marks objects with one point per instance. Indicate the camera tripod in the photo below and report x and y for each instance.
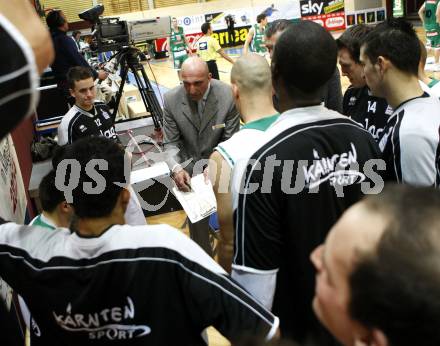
(127, 58)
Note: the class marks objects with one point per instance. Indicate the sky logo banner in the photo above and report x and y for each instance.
(328, 13)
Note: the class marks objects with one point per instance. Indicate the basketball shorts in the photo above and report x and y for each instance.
(433, 38)
(179, 58)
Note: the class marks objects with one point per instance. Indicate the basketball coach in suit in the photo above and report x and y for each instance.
(198, 115)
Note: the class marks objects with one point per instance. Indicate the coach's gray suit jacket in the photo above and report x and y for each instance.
(196, 139)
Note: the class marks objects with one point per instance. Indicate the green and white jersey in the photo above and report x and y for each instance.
(430, 17)
(177, 42)
(242, 143)
(237, 150)
(258, 40)
(42, 221)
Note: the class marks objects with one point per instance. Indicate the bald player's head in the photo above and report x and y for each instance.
(251, 75)
(195, 77)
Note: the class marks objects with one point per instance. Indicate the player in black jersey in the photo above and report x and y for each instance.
(87, 117)
(410, 141)
(359, 104)
(311, 166)
(107, 283)
(332, 94)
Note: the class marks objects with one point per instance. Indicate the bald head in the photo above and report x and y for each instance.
(195, 65)
(195, 77)
(251, 74)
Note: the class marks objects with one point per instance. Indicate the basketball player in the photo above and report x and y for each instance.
(368, 110)
(255, 37)
(178, 45)
(252, 90)
(429, 14)
(430, 84)
(410, 141)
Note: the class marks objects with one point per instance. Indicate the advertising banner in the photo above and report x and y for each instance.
(367, 16)
(328, 13)
(244, 18)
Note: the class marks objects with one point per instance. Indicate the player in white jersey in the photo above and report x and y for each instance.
(410, 142)
(252, 89)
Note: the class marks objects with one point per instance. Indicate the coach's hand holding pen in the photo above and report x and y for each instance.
(182, 180)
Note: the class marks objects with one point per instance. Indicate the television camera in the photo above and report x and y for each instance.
(113, 34)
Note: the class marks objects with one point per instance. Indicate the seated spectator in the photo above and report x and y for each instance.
(92, 118)
(410, 141)
(378, 279)
(108, 282)
(368, 110)
(56, 211)
(87, 117)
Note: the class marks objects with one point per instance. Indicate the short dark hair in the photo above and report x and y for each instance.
(260, 17)
(83, 150)
(50, 196)
(205, 27)
(352, 39)
(396, 286)
(277, 25)
(76, 74)
(304, 58)
(76, 32)
(396, 40)
(54, 19)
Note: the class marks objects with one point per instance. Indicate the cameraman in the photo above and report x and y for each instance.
(66, 52)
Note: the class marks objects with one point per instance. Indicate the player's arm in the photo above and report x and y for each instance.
(220, 175)
(188, 44)
(421, 13)
(62, 134)
(21, 14)
(437, 13)
(170, 55)
(249, 38)
(220, 50)
(225, 56)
